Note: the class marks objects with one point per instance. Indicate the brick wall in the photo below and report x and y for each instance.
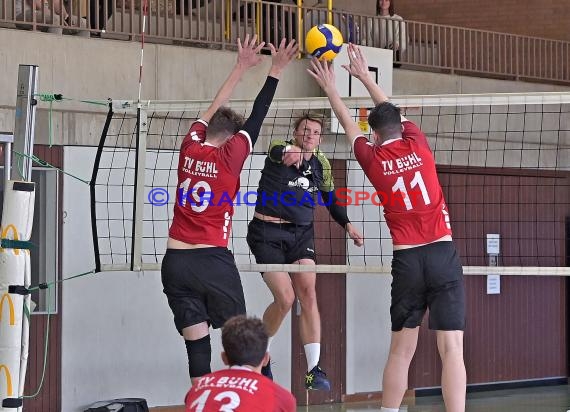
(546, 18)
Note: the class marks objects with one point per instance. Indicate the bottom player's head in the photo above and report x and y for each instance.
(223, 124)
(307, 132)
(245, 342)
(385, 121)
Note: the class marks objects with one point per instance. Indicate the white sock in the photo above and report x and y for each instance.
(313, 353)
(269, 343)
(382, 409)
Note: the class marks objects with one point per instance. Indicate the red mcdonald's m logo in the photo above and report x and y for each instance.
(8, 379)
(10, 308)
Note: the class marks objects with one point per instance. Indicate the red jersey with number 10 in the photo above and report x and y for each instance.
(403, 173)
(238, 390)
(208, 180)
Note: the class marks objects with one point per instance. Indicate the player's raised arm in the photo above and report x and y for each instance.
(281, 57)
(359, 68)
(323, 73)
(248, 56)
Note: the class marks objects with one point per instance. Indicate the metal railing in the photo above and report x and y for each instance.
(217, 23)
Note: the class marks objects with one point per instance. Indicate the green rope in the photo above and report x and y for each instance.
(46, 340)
(46, 164)
(58, 97)
(96, 102)
(55, 282)
(49, 97)
(50, 130)
(46, 346)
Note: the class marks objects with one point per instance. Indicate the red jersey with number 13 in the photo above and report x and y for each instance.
(403, 173)
(208, 180)
(238, 390)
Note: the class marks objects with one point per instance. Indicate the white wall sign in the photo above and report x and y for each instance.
(493, 284)
(493, 244)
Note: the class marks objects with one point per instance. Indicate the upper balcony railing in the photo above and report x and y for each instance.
(217, 23)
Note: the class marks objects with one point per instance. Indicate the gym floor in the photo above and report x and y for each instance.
(536, 399)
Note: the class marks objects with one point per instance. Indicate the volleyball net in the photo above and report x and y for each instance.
(503, 163)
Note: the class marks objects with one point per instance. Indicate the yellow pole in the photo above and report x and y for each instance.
(258, 18)
(228, 31)
(300, 39)
(329, 14)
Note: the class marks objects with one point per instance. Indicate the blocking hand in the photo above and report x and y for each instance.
(358, 66)
(283, 55)
(323, 73)
(248, 52)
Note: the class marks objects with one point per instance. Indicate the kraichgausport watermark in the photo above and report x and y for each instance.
(160, 196)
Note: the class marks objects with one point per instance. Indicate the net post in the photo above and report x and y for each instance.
(25, 118)
(138, 207)
(17, 213)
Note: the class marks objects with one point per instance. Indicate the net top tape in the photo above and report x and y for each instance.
(443, 100)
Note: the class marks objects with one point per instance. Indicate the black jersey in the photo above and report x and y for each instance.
(289, 193)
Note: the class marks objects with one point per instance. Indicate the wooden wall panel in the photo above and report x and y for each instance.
(49, 398)
(531, 18)
(520, 334)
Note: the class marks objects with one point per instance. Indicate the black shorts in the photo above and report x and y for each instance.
(202, 285)
(428, 276)
(282, 243)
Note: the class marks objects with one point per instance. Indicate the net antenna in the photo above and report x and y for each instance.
(496, 154)
(140, 157)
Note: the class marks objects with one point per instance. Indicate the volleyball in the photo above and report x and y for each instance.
(323, 41)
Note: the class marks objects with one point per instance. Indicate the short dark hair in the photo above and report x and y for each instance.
(385, 119)
(390, 9)
(310, 117)
(224, 122)
(244, 340)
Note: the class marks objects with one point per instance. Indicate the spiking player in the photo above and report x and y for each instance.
(426, 269)
(241, 388)
(281, 232)
(199, 274)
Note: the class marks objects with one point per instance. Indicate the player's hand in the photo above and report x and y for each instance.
(354, 234)
(282, 56)
(248, 52)
(323, 73)
(358, 66)
(293, 156)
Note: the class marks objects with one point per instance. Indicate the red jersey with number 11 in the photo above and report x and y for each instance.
(403, 174)
(239, 390)
(208, 180)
